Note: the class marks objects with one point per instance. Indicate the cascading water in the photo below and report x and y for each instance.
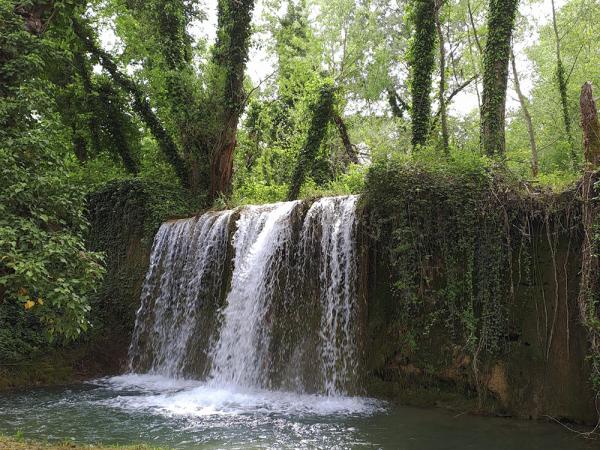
(240, 356)
(335, 220)
(180, 291)
(290, 317)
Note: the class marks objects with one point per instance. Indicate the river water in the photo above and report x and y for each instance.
(182, 414)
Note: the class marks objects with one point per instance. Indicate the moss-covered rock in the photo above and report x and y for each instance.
(473, 292)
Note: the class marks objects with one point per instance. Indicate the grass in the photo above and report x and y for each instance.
(18, 443)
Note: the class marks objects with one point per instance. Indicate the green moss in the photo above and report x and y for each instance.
(473, 289)
(124, 218)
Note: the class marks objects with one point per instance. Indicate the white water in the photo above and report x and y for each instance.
(189, 398)
(240, 354)
(290, 317)
(185, 271)
(335, 219)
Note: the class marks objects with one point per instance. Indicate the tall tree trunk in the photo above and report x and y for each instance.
(422, 65)
(501, 19)
(590, 125)
(526, 115)
(562, 88)
(442, 88)
(229, 57)
(477, 64)
(322, 113)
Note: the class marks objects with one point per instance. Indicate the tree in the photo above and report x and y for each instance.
(561, 79)
(590, 125)
(422, 61)
(46, 274)
(525, 109)
(500, 20)
(196, 116)
(322, 112)
(442, 88)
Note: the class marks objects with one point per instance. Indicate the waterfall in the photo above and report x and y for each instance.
(259, 297)
(183, 280)
(240, 354)
(335, 220)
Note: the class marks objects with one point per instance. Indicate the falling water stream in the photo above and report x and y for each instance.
(268, 300)
(241, 352)
(247, 336)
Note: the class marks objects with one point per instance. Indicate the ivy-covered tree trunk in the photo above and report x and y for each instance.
(422, 60)
(322, 114)
(166, 23)
(500, 22)
(229, 57)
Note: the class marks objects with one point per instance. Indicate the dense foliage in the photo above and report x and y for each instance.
(46, 274)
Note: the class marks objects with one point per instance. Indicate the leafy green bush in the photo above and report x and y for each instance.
(44, 266)
(46, 274)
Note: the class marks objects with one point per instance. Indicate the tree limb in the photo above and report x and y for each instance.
(399, 106)
(140, 103)
(452, 94)
(350, 149)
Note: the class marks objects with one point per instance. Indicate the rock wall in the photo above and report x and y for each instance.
(541, 372)
(470, 302)
(124, 217)
(483, 321)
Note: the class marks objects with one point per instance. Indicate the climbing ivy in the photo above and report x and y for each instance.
(124, 218)
(322, 111)
(501, 19)
(422, 61)
(438, 224)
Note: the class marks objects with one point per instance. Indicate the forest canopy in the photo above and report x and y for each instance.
(240, 101)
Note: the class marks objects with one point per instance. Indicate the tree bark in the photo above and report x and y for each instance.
(590, 125)
(442, 88)
(526, 115)
(36, 15)
(476, 63)
(501, 19)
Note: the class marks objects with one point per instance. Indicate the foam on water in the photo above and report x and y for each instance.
(190, 398)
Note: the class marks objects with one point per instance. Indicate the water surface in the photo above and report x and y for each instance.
(194, 415)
